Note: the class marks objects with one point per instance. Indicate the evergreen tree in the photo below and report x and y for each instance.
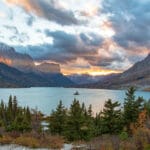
(98, 124)
(112, 120)
(88, 129)
(79, 124)
(15, 106)
(58, 120)
(132, 108)
(90, 111)
(28, 114)
(10, 110)
(75, 121)
(147, 107)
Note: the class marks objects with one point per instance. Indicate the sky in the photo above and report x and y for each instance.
(95, 36)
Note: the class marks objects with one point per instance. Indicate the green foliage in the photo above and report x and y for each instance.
(132, 108)
(58, 120)
(111, 117)
(75, 123)
(13, 117)
(78, 122)
(147, 107)
(123, 135)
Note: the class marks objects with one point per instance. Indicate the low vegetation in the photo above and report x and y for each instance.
(116, 127)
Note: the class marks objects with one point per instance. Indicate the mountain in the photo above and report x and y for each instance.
(48, 68)
(81, 79)
(24, 62)
(138, 75)
(9, 56)
(11, 77)
(19, 70)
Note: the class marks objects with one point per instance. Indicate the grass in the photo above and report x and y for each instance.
(28, 140)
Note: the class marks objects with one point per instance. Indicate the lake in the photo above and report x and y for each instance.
(46, 99)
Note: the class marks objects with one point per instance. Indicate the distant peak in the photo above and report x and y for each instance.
(5, 47)
(49, 67)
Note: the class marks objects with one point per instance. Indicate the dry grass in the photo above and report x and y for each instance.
(6, 139)
(54, 142)
(31, 141)
(27, 141)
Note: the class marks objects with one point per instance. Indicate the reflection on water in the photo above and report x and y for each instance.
(46, 99)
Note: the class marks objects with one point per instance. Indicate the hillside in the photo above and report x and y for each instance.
(11, 77)
(138, 75)
(19, 70)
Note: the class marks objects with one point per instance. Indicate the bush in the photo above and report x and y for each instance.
(123, 135)
(27, 141)
(6, 139)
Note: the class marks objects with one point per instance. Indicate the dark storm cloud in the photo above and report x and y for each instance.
(130, 20)
(66, 47)
(105, 61)
(75, 44)
(61, 16)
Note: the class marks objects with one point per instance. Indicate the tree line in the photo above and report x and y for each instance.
(14, 117)
(78, 122)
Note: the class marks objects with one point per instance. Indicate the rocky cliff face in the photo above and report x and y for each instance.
(24, 62)
(48, 68)
(19, 70)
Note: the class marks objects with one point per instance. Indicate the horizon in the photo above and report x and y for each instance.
(97, 37)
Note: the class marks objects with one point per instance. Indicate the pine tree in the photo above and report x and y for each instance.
(15, 106)
(10, 110)
(75, 122)
(132, 108)
(28, 114)
(58, 120)
(98, 124)
(112, 122)
(90, 111)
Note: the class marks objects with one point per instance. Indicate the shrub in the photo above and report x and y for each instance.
(27, 141)
(123, 135)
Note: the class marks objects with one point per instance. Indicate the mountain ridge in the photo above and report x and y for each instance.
(138, 76)
(45, 74)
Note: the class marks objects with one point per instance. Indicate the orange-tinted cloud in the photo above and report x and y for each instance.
(66, 70)
(23, 3)
(90, 10)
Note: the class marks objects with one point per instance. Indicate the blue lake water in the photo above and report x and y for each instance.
(46, 99)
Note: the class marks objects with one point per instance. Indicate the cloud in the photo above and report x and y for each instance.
(12, 29)
(89, 48)
(66, 47)
(30, 20)
(49, 10)
(130, 20)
